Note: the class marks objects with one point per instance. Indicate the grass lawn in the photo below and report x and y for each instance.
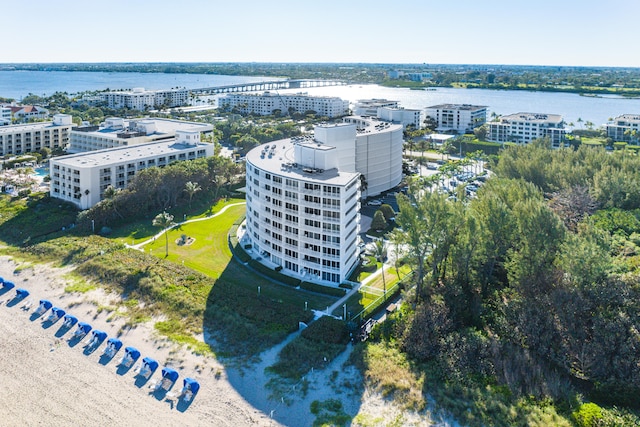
(370, 293)
(209, 253)
(137, 232)
(592, 141)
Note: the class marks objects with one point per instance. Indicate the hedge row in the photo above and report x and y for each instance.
(287, 280)
(313, 287)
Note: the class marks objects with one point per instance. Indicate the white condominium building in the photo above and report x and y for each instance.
(369, 107)
(303, 195)
(622, 128)
(377, 155)
(141, 99)
(403, 116)
(5, 116)
(117, 132)
(459, 118)
(302, 210)
(26, 138)
(82, 178)
(269, 102)
(525, 127)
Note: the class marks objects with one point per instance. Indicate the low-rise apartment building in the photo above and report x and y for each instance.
(27, 138)
(118, 132)
(458, 118)
(141, 99)
(268, 103)
(625, 127)
(523, 128)
(82, 178)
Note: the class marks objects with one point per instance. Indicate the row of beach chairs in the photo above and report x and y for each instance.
(94, 338)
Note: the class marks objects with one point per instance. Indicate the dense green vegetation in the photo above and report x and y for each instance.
(525, 297)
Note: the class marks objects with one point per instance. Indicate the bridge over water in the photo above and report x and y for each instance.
(271, 85)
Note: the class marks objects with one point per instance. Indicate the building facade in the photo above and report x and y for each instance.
(458, 118)
(82, 178)
(25, 113)
(27, 138)
(302, 210)
(5, 116)
(404, 116)
(117, 132)
(523, 128)
(269, 102)
(625, 127)
(377, 153)
(141, 99)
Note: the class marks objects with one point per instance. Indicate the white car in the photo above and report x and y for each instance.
(375, 203)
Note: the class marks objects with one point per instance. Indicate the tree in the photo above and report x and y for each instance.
(380, 252)
(164, 220)
(191, 188)
(110, 194)
(480, 132)
(387, 211)
(379, 223)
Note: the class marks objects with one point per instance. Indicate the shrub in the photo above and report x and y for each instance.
(327, 290)
(587, 415)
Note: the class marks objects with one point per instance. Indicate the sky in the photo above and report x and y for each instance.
(519, 32)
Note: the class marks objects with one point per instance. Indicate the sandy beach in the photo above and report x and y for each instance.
(46, 380)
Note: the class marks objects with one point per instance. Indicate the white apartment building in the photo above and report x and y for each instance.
(370, 107)
(302, 210)
(141, 99)
(525, 127)
(24, 113)
(5, 116)
(621, 128)
(377, 155)
(266, 103)
(82, 178)
(26, 138)
(403, 116)
(118, 132)
(459, 118)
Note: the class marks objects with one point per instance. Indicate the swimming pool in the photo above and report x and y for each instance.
(41, 172)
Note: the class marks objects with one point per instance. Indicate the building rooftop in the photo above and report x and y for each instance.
(28, 126)
(278, 158)
(122, 154)
(457, 107)
(160, 127)
(532, 117)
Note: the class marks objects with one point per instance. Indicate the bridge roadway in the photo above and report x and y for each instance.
(272, 85)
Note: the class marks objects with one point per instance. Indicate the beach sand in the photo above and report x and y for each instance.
(44, 380)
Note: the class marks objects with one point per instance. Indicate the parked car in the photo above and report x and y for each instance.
(374, 202)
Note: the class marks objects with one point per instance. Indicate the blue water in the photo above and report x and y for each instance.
(41, 172)
(17, 84)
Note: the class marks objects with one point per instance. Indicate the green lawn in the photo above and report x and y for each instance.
(209, 253)
(137, 232)
(373, 290)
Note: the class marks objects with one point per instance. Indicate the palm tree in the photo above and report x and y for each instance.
(164, 220)
(191, 188)
(380, 252)
(110, 194)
